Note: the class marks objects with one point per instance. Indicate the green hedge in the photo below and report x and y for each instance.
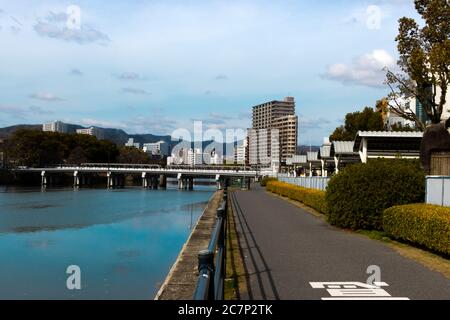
(358, 195)
(423, 224)
(264, 181)
(310, 197)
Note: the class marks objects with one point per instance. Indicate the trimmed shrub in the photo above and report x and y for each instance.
(423, 224)
(358, 195)
(264, 180)
(310, 197)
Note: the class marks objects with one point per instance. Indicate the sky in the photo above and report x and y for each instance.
(156, 66)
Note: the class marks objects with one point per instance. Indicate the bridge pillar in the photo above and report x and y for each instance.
(43, 179)
(110, 180)
(191, 183)
(182, 182)
(76, 179)
(163, 181)
(144, 180)
(219, 182)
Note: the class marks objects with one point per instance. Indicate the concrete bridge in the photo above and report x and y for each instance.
(153, 176)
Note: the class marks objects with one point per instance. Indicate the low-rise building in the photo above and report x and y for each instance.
(55, 126)
(160, 148)
(92, 131)
(131, 143)
(241, 153)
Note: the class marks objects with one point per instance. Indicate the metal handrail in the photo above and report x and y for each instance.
(210, 283)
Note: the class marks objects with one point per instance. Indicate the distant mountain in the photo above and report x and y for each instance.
(117, 136)
(7, 131)
(149, 138)
(302, 149)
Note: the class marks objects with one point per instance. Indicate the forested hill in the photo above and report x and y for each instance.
(118, 136)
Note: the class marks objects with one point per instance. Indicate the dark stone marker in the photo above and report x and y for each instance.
(435, 138)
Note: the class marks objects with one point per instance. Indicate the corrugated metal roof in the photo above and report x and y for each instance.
(343, 146)
(391, 134)
(312, 155)
(299, 159)
(325, 151)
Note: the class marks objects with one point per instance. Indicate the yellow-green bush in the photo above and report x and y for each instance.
(264, 180)
(311, 197)
(423, 224)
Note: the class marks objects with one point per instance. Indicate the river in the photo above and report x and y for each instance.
(124, 241)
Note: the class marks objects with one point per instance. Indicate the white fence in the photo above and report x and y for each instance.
(319, 183)
(438, 190)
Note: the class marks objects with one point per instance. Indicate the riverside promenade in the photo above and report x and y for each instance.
(285, 248)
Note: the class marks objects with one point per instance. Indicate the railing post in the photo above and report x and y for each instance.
(221, 247)
(205, 264)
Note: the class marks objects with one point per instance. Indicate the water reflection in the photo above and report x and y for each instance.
(123, 240)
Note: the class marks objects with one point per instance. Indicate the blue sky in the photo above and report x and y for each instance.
(153, 66)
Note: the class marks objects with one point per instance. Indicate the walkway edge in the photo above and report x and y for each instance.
(189, 251)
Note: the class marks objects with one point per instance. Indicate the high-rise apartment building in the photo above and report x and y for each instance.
(273, 137)
(264, 114)
(287, 127)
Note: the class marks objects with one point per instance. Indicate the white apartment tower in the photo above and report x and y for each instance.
(273, 137)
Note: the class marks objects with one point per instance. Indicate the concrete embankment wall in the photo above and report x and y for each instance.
(181, 281)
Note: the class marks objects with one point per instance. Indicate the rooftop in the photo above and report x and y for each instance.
(390, 140)
(343, 147)
(390, 134)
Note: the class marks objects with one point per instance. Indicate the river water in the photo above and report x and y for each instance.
(124, 241)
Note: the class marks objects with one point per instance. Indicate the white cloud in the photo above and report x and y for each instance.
(45, 96)
(101, 123)
(54, 26)
(365, 70)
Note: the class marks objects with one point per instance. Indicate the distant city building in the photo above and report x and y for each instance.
(215, 159)
(92, 131)
(273, 136)
(241, 153)
(160, 148)
(288, 127)
(131, 143)
(55, 126)
(194, 157)
(264, 147)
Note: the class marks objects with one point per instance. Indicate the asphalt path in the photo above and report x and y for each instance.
(291, 254)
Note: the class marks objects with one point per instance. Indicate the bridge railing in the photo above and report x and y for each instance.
(210, 283)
